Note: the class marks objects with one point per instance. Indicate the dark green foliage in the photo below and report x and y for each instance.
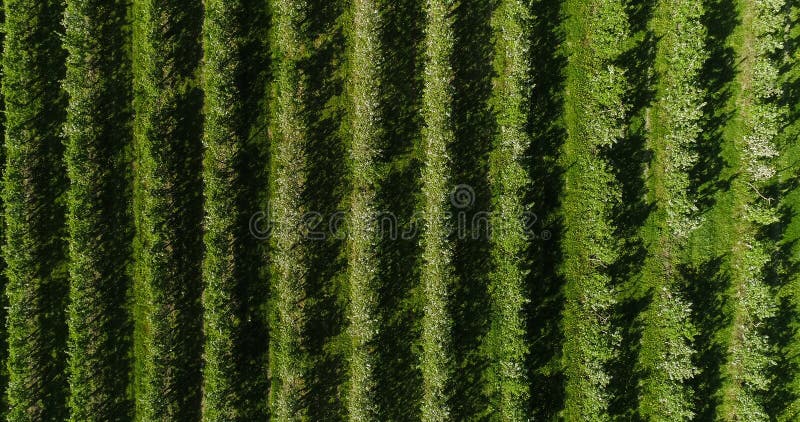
(234, 383)
(785, 395)
(3, 297)
(594, 114)
(655, 140)
(99, 134)
(168, 206)
(33, 67)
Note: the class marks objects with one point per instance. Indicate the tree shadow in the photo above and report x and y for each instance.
(171, 207)
(252, 341)
(474, 128)
(324, 193)
(629, 158)
(398, 376)
(544, 283)
(784, 330)
(113, 231)
(35, 184)
(706, 276)
(720, 20)
(706, 286)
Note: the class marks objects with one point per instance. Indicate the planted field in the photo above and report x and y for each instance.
(369, 210)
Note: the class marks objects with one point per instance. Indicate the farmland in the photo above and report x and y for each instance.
(379, 210)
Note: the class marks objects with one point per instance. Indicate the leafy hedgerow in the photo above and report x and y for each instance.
(505, 344)
(594, 117)
(751, 135)
(437, 272)
(665, 355)
(3, 297)
(98, 131)
(364, 61)
(223, 395)
(288, 359)
(167, 51)
(33, 67)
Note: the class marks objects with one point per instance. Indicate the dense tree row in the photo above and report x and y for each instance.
(505, 341)
(594, 117)
(666, 351)
(437, 270)
(288, 360)
(3, 297)
(168, 208)
(34, 178)
(142, 138)
(224, 139)
(98, 131)
(364, 61)
(750, 142)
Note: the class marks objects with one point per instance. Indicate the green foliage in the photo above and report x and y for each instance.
(751, 136)
(223, 395)
(33, 66)
(507, 385)
(437, 272)
(3, 297)
(288, 357)
(788, 176)
(98, 131)
(168, 207)
(665, 356)
(595, 34)
(363, 57)
(176, 122)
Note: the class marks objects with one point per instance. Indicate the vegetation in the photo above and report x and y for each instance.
(363, 62)
(786, 386)
(168, 209)
(666, 351)
(400, 210)
(3, 301)
(594, 117)
(750, 139)
(224, 139)
(507, 349)
(98, 83)
(288, 362)
(34, 252)
(437, 271)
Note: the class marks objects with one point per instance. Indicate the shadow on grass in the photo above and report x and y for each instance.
(474, 128)
(784, 398)
(253, 289)
(630, 158)
(169, 205)
(399, 378)
(544, 283)
(705, 273)
(324, 193)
